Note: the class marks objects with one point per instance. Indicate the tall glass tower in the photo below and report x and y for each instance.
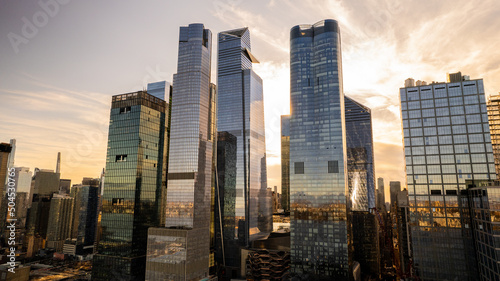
(285, 162)
(320, 236)
(241, 113)
(181, 250)
(447, 142)
(131, 202)
(360, 165)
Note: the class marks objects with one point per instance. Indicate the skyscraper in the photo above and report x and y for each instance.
(360, 164)
(241, 113)
(320, 235)
(181, 250)
(447, 141)
(285, 162)
(493, 107)
(133, 189)
(380, 194)
(394, 189)
(85, 216)
(60, 221)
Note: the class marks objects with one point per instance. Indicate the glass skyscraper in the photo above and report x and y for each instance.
(360, 167)
(493, 106)
(131, 202)
(241, 113)
(320, 232)
(447, 141)
(181, 250)
(285, 162)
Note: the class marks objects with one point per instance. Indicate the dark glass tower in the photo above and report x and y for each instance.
(447, 142)
(320, 236)
(181, 250)
(360, 168)
(241, 113)
(131, 202)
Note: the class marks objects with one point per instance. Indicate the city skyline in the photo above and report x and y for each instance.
(382, 49)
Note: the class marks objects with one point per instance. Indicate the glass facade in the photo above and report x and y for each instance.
(285, 162)
(241, 113)
(85, 217)
(131, 200)
(493, 107)
(485, 214)
(189, 192)
(320, 232)
(446, 141)
(360, 167)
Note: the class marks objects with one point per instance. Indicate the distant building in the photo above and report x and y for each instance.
(85, 216)
(285, 162)
(64, 186)
(60, 221)
(380, 194)
(394, 188)
(5, 150)
(160, 90)
(493, 106)
(366, 243)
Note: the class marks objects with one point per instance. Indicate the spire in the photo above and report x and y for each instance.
(58, 166)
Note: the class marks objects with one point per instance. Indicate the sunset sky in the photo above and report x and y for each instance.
(60, 64)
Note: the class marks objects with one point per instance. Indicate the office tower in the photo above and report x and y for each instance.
(85, 216)
(380, 194)
(447, 141)
(241, 113)
(160, 90)
(43, 186)
(401, 223)
(181, 250)
(365, 240)
(394, 188)
(360, 164)
(60, 221)
(320, 234)
(22, 178)
(225, 198)
(131, 200)
(493, 107)
(484, 210)
(285, 162)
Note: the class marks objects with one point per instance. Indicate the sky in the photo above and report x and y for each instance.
(62, 60)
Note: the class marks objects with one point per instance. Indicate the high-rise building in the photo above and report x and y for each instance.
(240, 106)
(365, 240)
(447, 141)
(85, 209)
(5, 150)
(131, 202)
(360, 163)
(160, 90)
(181, 250)
(394, 189)
(380, 194)
(493, 107)
(320, 231)
(60, 221)
(285, 162)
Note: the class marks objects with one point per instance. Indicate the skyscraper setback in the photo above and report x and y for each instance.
(241, 114)
(318, 161)
(447, 141)
(131, 202)
(181, 250)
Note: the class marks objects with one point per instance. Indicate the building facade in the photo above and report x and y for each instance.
(493, 107)
(447, 141)
(240, 106)
(285, 162)
(131, 200)
(189, 194)
(320, 232)
(360, 163)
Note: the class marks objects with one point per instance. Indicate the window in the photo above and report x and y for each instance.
(299, 167)
(125, 109)
(118, 201)
(435, 191)
(333, 167)
(121, 158)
